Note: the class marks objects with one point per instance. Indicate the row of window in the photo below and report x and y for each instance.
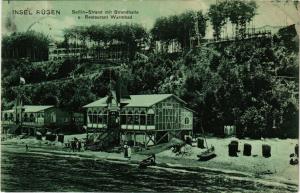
(136, 119)
(97, 118)
(105, 112)
(67, 51)
(8, 117)
(62, 57)
(126, 119)
(104, 52)
(95, 56)
(26, 117)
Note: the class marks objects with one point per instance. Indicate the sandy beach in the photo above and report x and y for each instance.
(275, 168)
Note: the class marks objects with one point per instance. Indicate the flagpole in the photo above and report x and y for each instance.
(19, 104)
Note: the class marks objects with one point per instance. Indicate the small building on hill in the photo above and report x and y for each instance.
(141, 119)
(66, 53)
(115, 51)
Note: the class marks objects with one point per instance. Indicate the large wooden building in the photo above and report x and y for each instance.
(141, 119)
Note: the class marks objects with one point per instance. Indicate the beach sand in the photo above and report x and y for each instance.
(274, 168)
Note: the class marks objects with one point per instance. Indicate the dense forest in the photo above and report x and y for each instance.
(252, 84)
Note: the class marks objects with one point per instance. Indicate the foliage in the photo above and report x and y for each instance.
(179, 27)
(217, 19)
(104, 36)
(28, 44)
(236, 11)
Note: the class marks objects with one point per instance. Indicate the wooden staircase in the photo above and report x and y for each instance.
(102, 140)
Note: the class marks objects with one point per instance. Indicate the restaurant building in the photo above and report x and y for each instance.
(142, 119)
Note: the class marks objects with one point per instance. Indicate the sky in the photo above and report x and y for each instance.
(268, 13)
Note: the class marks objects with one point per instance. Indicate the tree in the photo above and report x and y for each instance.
(30, 44)
(217, 18)
(66, 68)
(241, 12)
(106, 36)
(238, 12)
(179, 27)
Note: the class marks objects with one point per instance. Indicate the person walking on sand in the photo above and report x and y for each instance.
(125, 150)
(79, 146)
(129, 152)
(26, 147)
(73, 144)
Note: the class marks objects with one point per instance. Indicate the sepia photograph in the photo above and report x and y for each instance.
(150, 96)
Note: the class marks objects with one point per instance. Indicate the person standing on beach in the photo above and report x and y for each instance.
(129, 152)
(76, 145)
(26, 147)
(79, 146)
(125, 150)
(73, 144)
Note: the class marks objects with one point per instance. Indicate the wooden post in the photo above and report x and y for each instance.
(134, 142)
(97, 121)
(139, 119)
(145, 139)
(146, 122)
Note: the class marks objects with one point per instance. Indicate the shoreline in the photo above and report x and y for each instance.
(163, 162)
(60, 153)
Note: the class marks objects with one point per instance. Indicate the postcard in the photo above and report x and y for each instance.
(149, 95)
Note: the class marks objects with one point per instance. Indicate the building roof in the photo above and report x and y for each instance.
(189, 109)
(8, 111)
(36, 108)
(98, 103)
(137, 100)
(31, 108)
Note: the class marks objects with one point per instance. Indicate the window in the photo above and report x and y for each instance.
(26, 117)
(136, 118)
(104, 117)
(143, 118)
(94, 118)
(31, 117)
(5, 117)
(129, 118)
(90, 118)
(11, 117)
(186, 121)
(100, 117)
(160, 117)
(123, 119)
(150, 119)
